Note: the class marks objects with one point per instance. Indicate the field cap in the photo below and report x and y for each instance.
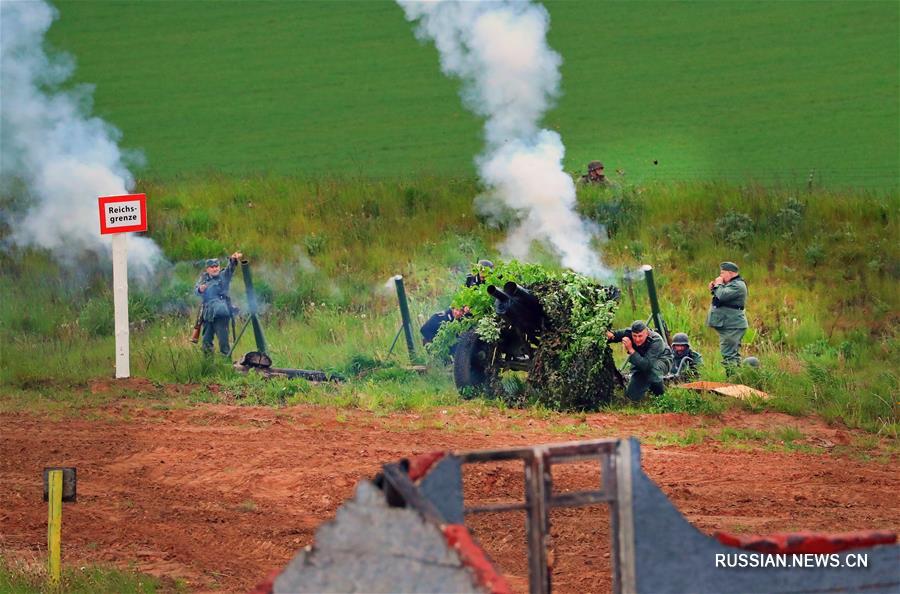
(729, 266)
(485, 263)
(212, 262)
(638, 326)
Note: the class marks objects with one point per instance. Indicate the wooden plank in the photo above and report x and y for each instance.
(54, 526)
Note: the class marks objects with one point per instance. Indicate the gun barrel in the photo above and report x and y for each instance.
(519, 307)
(253, 308)
(656, 313)
(498, 294)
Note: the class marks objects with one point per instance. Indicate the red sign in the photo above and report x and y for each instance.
(123, 214)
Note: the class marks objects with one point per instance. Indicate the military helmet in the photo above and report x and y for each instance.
(485, 263)
(212, 262)
(594, 165)
(751, 362)
(681, 338)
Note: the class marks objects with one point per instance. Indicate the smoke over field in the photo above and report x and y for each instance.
(51, 146)
(511, 78)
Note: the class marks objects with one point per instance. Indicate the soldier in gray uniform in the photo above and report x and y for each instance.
(726, 313)
(687, 360)
(213, 287)
(649, 356)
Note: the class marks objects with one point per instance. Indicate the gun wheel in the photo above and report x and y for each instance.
(471, 363)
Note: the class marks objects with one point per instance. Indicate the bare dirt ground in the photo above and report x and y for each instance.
(220, 495)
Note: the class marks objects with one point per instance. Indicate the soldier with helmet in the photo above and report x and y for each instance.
(726, 313)
(686, 360)
(595, 174)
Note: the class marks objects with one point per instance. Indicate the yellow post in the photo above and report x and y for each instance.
(54, 525)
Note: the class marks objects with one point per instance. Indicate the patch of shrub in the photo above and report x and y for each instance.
(96, 317)
(789, 217)
(735, 229)
(314, 244)
(681, 236)
(814, 255)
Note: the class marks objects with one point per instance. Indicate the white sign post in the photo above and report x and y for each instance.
(120, 215)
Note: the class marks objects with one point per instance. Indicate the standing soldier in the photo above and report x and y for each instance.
(213, 287)
(726, 313)
(649, 355)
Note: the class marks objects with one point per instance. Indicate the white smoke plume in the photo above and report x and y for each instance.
(49, 143)
(511, 77)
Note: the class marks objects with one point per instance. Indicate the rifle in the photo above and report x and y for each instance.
(195, 335)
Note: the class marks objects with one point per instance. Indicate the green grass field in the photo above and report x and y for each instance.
(766, 91)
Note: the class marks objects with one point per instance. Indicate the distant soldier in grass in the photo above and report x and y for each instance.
(686, 360)
(213, 287)
(430, 328)
(595, 174)
(478, 274)
(726, 313)
(650, 358)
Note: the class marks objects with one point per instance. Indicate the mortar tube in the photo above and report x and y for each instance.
(654, 303)
(253, 308)
(404, 315)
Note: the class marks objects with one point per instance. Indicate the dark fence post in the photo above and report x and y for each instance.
(404, 314)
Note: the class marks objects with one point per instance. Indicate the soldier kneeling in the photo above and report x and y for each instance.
(649, 356)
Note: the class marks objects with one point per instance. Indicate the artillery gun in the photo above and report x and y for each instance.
(475, 361)
(527, 338)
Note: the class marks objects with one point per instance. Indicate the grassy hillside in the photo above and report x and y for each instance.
(752, 90)
(822, 269)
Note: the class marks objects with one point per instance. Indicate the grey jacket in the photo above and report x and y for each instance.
(727, 308)
(653, 358)
(216, 301)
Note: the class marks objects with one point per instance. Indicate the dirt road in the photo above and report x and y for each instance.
(220, 495)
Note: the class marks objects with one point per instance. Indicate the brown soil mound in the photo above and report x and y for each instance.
(220, 495)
